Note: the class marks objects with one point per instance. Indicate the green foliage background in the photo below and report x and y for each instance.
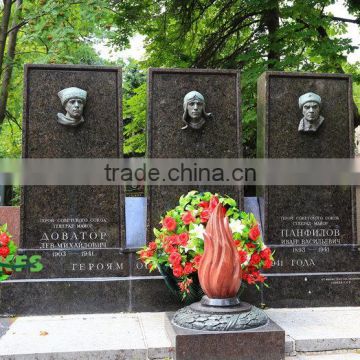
(250, 35)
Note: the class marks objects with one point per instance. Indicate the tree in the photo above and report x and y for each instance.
(250, 35)
(42, 31)
(134, 100)
(7, 73)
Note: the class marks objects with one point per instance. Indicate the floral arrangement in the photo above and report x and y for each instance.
(7, 252)
(179, 243)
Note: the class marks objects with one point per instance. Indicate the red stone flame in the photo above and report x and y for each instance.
(219, 269)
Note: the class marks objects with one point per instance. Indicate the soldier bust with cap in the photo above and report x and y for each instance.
(310, 104)
(194, 115)
(73, 100)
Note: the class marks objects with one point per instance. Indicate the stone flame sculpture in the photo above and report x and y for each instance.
(220, 278)
(220, 269)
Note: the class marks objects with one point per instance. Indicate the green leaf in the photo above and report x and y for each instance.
(12, 247)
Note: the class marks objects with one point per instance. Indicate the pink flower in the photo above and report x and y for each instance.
(169, 223)
(188, 218)
(175, 258)
(152, 245)
(204, 215)
(178, 271)
(183, 239)
(188, 268)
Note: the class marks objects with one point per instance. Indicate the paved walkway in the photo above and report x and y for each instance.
(310, 335)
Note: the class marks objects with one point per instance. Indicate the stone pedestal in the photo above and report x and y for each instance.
(262, 343)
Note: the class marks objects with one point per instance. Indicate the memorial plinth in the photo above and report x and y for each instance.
(170, 137)
(77, 231)
(265, 342)
(312, 228)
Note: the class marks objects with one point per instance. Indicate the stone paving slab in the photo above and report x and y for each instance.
(326, 356)
(142, 336)
(74, 337)
(320, 329)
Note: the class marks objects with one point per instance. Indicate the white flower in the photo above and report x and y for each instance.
(198, 231)
(236, 226)
(246, 263)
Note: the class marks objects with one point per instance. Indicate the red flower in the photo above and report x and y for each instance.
(169, 223)
(213, 202)
(258, 277)
(204, 215)
(250, 279)
(242, 256)
(267, 264)
(204, 204)
(183, 239)
(255, 259)
(173, 239)
(175, 258)
(237, 242)
(253, 276)
(152, 245)
(197, 259)
(250, 246)
(4, 239)
(188, 218)
(188, 268)
(244, 276)
(254, 232)
(167, 240)
(4, 251)
(265, 254)
(169, 249)
(178, 271)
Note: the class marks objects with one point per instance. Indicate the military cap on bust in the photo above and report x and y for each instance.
(192, 95)
(72, 93)
(310, 96)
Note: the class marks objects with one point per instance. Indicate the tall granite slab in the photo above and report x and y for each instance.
(311, 228)
(220, 137)
(78, 231)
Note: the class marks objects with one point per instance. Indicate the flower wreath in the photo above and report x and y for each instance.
(179, 243)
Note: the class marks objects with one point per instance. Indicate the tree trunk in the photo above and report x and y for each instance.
(272, 23)
(10, 59)
(4, 29)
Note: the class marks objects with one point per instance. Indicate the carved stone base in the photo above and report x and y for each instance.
(261, 343)
(215, 318)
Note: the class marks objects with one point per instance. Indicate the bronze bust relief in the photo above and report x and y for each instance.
(194, 115)
(73, 100)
